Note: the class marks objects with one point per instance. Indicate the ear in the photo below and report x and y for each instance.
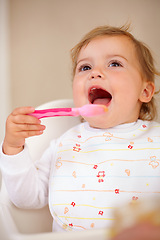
(147, 92)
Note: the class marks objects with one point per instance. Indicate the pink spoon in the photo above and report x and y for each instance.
(88, 110)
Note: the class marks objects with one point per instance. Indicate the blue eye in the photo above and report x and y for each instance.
(85, 68)
(115, 64)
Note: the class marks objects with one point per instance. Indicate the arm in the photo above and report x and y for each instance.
(26, 182)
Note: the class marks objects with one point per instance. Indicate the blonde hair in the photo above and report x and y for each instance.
(148, 110)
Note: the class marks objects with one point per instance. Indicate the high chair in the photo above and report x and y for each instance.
(21, 224)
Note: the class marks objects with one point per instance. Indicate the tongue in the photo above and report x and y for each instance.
(102, 101)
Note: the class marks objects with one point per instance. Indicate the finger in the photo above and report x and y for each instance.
(24, 119)
(30, 127)
(23, 111)
(20, 115)
(34, 133)
(27, 134)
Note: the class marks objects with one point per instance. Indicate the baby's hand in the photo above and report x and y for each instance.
(20, 125)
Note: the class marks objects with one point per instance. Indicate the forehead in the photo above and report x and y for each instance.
(119, 44)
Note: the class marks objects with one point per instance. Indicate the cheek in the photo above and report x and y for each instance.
(78, 92)
(76, 87)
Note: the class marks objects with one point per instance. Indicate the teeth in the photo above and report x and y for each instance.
(92, 89)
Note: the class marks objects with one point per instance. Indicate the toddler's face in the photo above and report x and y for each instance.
(108, 72)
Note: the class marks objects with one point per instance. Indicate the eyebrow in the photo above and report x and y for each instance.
(83, 59)
(108, 56)
(117, 55)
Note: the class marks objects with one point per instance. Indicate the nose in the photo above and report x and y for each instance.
(96, 74)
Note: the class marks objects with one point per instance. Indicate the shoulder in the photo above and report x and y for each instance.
(152, 126)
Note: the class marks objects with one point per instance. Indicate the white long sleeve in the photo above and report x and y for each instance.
(27, 181)
(88, 173)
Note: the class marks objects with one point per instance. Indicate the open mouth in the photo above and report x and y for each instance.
(99, 96)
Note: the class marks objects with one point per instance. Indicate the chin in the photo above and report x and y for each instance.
(97, 122)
